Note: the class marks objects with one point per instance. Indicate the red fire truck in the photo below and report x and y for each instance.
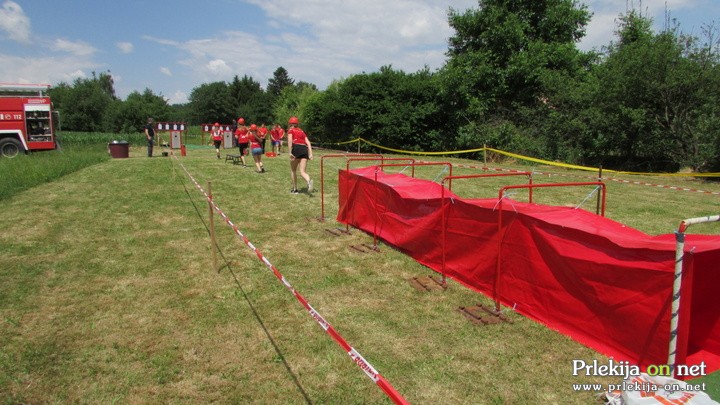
(26, 119)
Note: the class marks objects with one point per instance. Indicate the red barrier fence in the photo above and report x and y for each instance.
(471, 176)
(600, 282)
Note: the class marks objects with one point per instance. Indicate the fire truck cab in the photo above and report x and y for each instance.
(26, 119)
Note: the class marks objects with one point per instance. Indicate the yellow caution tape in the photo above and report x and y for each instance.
(527, 158)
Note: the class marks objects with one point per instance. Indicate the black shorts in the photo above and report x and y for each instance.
(243, 147)
(300, 151)
(217, 144)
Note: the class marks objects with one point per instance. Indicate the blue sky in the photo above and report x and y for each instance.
(172, 47)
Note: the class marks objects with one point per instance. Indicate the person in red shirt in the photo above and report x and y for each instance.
(217, 137)
(256, 148)
(243, 139)
(277, 134)
(300, 153)
(263, 132)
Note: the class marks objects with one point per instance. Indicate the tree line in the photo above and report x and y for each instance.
(514, 79)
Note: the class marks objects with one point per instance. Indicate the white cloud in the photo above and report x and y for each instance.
(36, 69)
(78, 48)
(178, 97)
(125, 47)
(319, 42)
(166, 71)
(218, 67)
(14, 21)
(161, 41)
(601, 29)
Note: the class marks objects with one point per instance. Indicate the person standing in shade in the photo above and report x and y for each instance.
(243, 139)
(217, 138)
(150, 135)
(300, 152)
(256, 148)
(276, 135)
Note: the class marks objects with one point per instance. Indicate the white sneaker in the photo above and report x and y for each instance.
(310, 186)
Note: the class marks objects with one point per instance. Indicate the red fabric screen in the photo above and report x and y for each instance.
(603, 284)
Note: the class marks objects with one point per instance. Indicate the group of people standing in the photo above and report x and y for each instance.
(253, 138)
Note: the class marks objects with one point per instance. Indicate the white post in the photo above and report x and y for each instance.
(675, 308)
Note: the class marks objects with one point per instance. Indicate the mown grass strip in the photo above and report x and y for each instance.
(77, 151)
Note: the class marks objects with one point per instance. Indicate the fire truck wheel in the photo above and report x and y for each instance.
(10, 147)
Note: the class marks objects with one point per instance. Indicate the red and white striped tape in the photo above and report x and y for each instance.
(638, 183)
(364, 365)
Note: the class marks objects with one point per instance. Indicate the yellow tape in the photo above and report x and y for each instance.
(345, 143)
(409, 152)
(595, 169)
(529, 159)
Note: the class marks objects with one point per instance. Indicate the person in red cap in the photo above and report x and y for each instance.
(256, 148)
(217, 137)
(300, 152)
(243, 139)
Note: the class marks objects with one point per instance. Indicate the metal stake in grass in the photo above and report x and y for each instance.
(213, 241)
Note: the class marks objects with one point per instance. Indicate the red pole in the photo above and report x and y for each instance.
(444, 225)
(498, 262)
(322, 190)
(377, 214)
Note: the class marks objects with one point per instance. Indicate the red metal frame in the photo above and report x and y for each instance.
(322, 176)
(413, 164)
(501, 235)
(471, 176)
(382, 163)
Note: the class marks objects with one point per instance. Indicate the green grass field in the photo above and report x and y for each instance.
(108, 292)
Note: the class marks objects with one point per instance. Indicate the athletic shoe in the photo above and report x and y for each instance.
(262, 169)
(310, 186)
(294, 191)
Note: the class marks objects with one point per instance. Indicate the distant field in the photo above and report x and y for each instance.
(108, 292)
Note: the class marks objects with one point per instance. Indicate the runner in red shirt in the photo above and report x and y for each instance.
(300, 153)
(243, 139)
(256, 148)
(277, 134)
(217, 137)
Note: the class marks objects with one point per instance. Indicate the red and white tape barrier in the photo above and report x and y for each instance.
(364, 365)
(637, 183)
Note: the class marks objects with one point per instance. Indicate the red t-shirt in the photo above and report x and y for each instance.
(277, 133)
(262, 132)
(297, 135)
(254, 140)
(217, 135)
(242, 135)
